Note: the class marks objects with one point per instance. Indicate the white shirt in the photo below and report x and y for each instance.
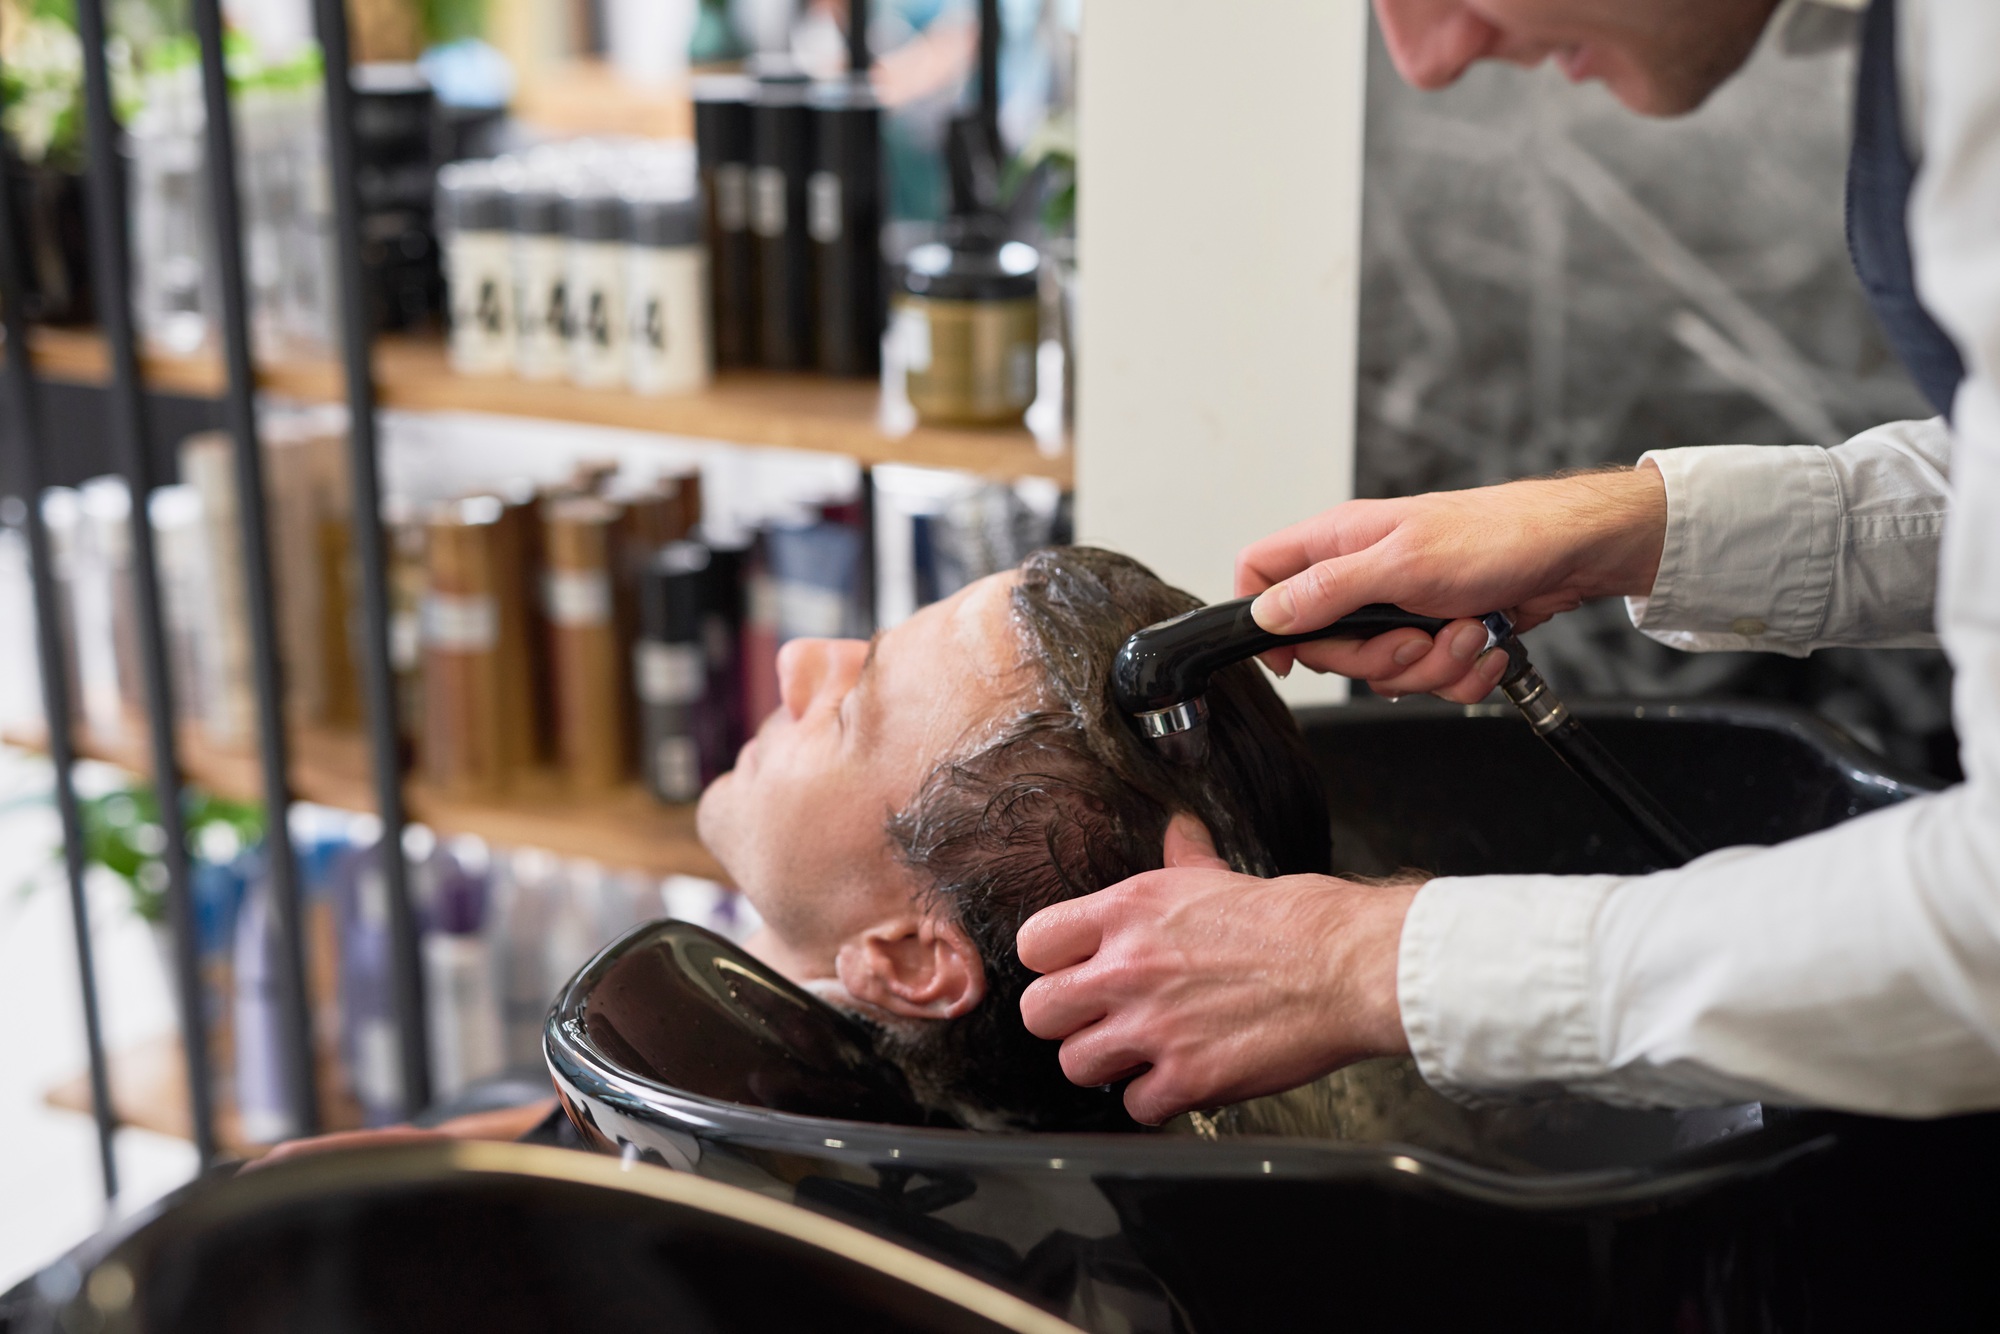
(1859, 967)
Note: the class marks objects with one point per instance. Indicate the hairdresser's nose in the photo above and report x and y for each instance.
(1433, 42)
(816, 671)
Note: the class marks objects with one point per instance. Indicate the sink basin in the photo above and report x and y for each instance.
(673, 1046)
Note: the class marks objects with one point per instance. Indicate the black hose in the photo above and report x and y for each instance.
(1587, 758)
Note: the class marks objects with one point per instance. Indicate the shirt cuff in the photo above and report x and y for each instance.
(1752, 540)
(1493, 977)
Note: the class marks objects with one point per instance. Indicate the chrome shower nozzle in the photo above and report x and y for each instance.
(1162, 672)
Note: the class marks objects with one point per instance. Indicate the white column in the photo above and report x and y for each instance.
(1219, 250)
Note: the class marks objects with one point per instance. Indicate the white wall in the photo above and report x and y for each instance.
(1219, 248)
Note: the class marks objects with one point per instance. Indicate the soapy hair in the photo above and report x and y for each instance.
(1065, 799)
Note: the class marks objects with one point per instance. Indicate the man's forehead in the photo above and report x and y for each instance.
(970, 634)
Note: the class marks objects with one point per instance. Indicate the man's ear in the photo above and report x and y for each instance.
(1189, 844)
(917, 967)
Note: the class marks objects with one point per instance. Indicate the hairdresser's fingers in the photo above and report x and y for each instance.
(1063, 1003)
(1062, 934)
(1158, 1094)
(1321, 594)
(1188, 844)
(1366, 659)
(1449, 662)
(1103, 1054)
(1340, 531)
(1279, 660)
(1478, 683)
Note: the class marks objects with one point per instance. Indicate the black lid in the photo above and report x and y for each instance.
(537, 210)
(780, 83)
(972, 270)
(593, 213)
(674, 593)
(470, 198)
(852, 93)
(664, 220)
(389, 78)
(774, 68)
(722, 118)
(721, 89)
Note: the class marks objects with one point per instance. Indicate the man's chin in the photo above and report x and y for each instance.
(712, 821)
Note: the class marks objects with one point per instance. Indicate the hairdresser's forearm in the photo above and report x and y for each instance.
(1535, 549)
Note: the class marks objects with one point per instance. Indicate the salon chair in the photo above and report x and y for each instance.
(468, 1238)
(676, 1047)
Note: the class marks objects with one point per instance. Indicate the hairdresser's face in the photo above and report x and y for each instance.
(1658, 57)
(799, 823)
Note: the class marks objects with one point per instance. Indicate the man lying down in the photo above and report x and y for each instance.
(916, 798)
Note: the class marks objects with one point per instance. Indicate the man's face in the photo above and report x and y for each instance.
(800, 822)
(1658, 57)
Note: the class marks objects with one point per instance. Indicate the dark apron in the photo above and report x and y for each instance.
(1879, 176)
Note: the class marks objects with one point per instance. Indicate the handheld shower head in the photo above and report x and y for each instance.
(1161, 675)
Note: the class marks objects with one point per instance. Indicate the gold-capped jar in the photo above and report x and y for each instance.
(968, 322)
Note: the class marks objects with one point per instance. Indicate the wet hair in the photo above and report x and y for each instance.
(1065, 799)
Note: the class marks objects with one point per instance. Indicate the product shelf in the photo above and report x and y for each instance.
(149, 1092)
(755, 408)
(624, 827)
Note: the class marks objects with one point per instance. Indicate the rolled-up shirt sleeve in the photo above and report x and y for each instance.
(1788, 550)
(1859, 967)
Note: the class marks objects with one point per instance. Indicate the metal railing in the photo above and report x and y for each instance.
(110, 261)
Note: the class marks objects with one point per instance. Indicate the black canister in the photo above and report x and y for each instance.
(725, 725)
(395, 132)
(844, 220)
(722, 146)
(781, 153)
(670, 669)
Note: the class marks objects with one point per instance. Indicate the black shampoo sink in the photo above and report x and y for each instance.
(675, 1047)
(472, 1238)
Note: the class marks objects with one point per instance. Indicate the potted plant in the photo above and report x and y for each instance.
(41, 87)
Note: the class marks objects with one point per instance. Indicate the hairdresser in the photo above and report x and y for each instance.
(1858, 968)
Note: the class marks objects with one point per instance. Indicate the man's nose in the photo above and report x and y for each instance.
(1433, 42)
(809, 669)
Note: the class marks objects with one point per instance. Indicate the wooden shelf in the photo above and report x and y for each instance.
(808, 412)
(624, 827)
(149, 1092)
(586, 96)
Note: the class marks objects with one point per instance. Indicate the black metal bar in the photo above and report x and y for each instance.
(378, 674)
(26, 434)
(858, 58)
(990, 35)
(125, 404)
(266, 668)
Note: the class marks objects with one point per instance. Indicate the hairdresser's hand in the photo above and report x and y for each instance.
(1531, 548)
(1217, 986)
